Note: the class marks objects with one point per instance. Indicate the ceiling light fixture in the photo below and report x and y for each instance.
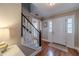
(51, 4)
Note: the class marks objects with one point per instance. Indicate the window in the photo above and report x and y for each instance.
(50, 26)
(69, 25)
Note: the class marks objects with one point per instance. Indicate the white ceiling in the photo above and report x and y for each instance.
(45, 10)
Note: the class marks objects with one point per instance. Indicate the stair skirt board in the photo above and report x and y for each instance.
(58, 46)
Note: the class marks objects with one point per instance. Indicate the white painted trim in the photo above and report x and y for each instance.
(36, 52)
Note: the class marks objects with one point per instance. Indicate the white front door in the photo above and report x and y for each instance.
(59, 31)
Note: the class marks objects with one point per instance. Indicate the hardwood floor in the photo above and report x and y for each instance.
(51, 51)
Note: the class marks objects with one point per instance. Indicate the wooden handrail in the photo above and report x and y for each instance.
(29, 22)
(22, 15)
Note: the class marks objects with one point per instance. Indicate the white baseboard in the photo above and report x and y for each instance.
(36, 52)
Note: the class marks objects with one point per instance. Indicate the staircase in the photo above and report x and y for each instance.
(31, 37)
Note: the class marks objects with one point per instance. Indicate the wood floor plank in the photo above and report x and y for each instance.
(51, 51)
